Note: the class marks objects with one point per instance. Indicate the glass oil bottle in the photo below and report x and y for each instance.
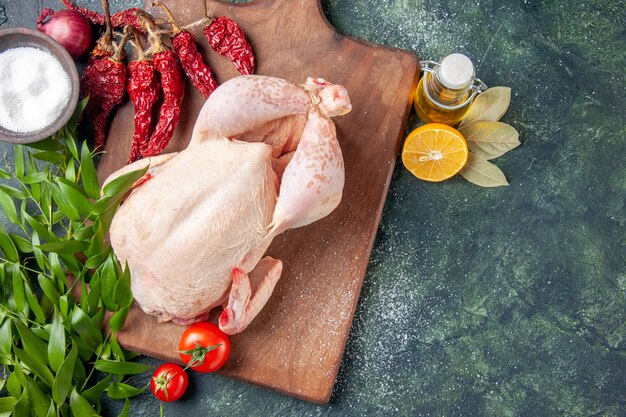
(446, 90)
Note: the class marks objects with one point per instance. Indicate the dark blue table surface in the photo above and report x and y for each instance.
(496, 302)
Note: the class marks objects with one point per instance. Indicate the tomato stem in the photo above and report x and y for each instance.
(198, 354)
(161, 384)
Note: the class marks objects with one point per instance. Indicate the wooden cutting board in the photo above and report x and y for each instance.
(296, 343)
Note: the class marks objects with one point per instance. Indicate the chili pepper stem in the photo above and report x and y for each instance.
(138, 45)
(119, 51)
(156, 43)
(176, 29)
(107, 22)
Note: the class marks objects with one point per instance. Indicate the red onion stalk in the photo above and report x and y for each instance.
(68, 27)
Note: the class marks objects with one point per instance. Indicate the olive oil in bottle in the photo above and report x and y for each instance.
(446, 89)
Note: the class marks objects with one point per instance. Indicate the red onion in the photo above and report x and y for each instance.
(68, 27)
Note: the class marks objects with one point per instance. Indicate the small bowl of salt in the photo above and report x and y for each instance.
(39, 86)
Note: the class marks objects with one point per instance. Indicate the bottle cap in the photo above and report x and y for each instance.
(456, 71)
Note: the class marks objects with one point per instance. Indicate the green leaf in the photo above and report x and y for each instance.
(70, 142)
(118, 319)
(86, 328)
(88, 172)
(66, 246)
(22, 245)
(481, 172)
(39, 257)
(63, 381)
(31, 343)
(8, 247)
(96, 260)
(46, 203)
(55, 267)
(19, 297)
(104, 204)
(126, 410)
(22, 407)
(70, 171)
(39, 400)
(98, 318)
(7, 404)
(35, 189)
(116, 348)
(8, 206)
(123, 294)
(42, 333)
(19, 374)
(80, 406)
(49, 289)
(122, 184)
(35, 365)
(52, 157)
(108, 280)
(56, 345)
(48, 144)
(37, 226)
(121, 368)
(76, 197)
(19, 160)
(80, 107)
(64, 203)
(84, 233)
(120, 391)
(52, 410)
(5, 175)
(33, 303)
(71, 263)
(94, 393)
(80, 375)
(65, 303)
(35, 178)
(13, 192)
(97, 241)
(93, 297)
(14, 386)
(6, 338)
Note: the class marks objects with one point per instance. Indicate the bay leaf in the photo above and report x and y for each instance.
(489, 106)
(490, 139)
(481, 172)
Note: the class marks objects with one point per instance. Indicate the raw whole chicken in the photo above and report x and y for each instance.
(263, 158)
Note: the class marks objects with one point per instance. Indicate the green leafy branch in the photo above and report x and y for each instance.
(58, 279)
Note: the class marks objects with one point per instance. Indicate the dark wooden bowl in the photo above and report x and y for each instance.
(21, 37)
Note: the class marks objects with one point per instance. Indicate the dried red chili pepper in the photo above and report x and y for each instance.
(190, 58)
(143, 90)
(104, 81)
(118, 20)
(94, 17)
(127, 17)
(226, 38)
(173, 87)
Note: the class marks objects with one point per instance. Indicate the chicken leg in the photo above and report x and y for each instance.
(248, 294)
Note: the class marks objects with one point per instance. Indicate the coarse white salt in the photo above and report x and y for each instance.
(34, 89)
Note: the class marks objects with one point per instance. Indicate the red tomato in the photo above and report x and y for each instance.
(204, 347)
(169, 382)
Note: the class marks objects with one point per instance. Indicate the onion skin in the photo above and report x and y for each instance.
(68, 27)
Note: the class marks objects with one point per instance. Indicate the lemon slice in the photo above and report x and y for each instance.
(434, 152)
